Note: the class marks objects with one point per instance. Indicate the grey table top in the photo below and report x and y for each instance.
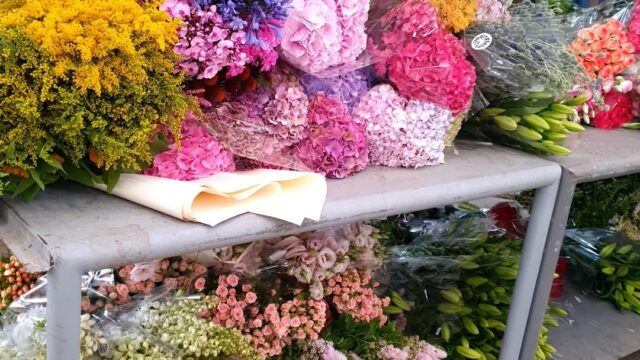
(594, 330)
(600, 154)
(94, 230)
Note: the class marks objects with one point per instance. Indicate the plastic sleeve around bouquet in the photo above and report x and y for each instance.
(424, 62)
(601, 260)
(326, 38)
(527, 54)
(620, 10)
(262, 126)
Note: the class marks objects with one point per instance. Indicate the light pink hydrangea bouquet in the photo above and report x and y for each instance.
(319, 34)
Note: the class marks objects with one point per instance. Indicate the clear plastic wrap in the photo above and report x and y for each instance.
(606, 263)
(424, 62)
(326, 38)
(527, 54)
(263, 125)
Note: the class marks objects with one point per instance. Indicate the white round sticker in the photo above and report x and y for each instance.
(481, 41)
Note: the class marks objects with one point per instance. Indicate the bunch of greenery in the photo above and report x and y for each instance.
(460, 279)
(610, 203)
(526, 54)
(83, 88)
(606, 263)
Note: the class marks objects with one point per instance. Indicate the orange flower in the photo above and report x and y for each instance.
(57, 158)
(606, 71)
(94, 158)
(16, 171)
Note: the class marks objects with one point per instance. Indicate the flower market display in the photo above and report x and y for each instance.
(241, 104)
(338, 293)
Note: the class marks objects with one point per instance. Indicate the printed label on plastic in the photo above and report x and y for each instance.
(481, 41)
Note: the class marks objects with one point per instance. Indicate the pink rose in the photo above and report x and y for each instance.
(251, 298)
(233, 280)
(199, 284)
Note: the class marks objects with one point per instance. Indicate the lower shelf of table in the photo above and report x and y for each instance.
(595, 329)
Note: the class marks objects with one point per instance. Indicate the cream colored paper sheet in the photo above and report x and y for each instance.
(287, 195)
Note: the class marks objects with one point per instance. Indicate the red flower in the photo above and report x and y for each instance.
(616, 112)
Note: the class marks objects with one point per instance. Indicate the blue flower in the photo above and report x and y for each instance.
(237, 23)
(228, 9)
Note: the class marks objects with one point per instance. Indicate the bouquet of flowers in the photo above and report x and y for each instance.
(85, 102)
(422, 60)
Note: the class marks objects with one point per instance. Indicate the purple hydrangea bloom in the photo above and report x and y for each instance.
(348, 87)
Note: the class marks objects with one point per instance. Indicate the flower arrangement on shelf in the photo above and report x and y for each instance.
(90, 96)
(422, 60)
(604, 49)
(456, 15)
(400, 132)
(320, 34)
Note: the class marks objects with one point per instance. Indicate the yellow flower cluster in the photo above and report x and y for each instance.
(88, 81)
(456, 15)
(96, 43)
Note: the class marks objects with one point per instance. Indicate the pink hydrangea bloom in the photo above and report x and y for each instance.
(319, 34)
(334, 145)
(422, 60)
(400, 132)
(207, 44)
(200, 156)
(633, 32)
(322, 350)
(492, 10)
(264, 124)
(265, 54)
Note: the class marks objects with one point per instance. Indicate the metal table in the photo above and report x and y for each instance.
(70, 229)
(597, 154)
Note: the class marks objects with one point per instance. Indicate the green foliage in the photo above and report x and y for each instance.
(363, 339)
(611, 203)
(42, 114)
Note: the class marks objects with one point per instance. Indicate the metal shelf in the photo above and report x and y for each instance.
(595, 329)
(70, 229)
(597, 154)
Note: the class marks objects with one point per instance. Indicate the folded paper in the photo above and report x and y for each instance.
(286, 195)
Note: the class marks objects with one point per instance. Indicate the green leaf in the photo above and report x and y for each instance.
(36, 177)
(111, 179)
(23, 185)
(11, 150)
(31, 192)
(76, 174)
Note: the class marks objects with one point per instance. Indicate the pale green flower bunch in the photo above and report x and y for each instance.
(176, 324)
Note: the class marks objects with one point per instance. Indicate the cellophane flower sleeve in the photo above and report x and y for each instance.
(527, 54)
(262, 126)
(411, 49)
(605, 263)
(326, 38)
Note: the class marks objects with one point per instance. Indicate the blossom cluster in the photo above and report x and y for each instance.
(15, 280)
(312, 257)
(604, 50)
(322, 350)
(219, 38)
(492, 10)
(456, 15)
(615, 112)
(633, 28)
(400, 132)
(271, 327)
(421, 59)
(348, 87)
(334, 145)
(200, 155)
(262, 125)
(353, 292)
(93, 92)
(416, 350)
(172, 273)
(320, 34)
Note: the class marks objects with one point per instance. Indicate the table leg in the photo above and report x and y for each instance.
(530, 261)
(63, 313)
(548, 267)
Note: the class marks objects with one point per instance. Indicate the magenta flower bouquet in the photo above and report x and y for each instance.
(227, 35)
(421, 59)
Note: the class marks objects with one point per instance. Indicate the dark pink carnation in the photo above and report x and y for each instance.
(616, 112)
